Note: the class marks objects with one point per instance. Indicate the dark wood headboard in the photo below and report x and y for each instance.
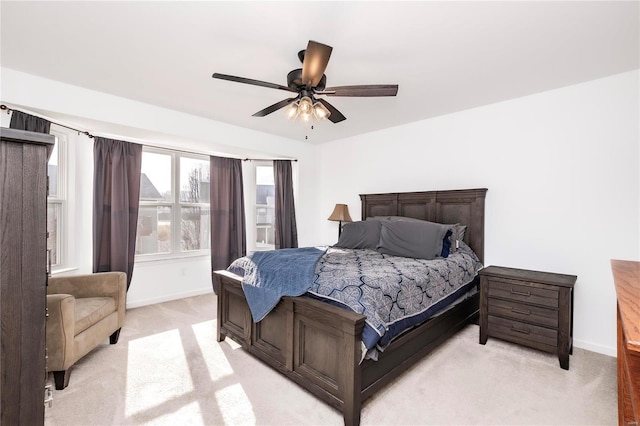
(464, 206)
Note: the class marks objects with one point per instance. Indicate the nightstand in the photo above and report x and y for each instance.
(531, 308)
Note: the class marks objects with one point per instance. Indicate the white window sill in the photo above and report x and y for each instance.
(174, 257)
(63, 270)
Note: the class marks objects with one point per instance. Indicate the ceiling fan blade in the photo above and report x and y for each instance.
(316, 58)
(361, 91)
(335, 116)
(268, 110)
(251, 81)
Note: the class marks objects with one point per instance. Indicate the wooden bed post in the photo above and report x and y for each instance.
(219, 335)
(352, 375)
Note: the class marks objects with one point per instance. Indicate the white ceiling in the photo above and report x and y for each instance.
(445, 56)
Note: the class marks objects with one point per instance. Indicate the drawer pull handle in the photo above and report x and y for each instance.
(520, 330)
(521, 293)
(518, 311)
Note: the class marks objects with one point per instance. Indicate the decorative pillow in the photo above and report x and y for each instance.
(417, 239)
(457, 235)
(360, 235)
(446, 244)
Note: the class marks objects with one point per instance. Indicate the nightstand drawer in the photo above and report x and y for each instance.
(528, 334)
(522, 312)
(522, 292)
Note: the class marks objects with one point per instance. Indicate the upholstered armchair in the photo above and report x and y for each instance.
(83, 311)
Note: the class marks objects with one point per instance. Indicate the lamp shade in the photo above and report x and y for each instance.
(341, 213)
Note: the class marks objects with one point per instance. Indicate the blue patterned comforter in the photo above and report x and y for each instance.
(394, 293)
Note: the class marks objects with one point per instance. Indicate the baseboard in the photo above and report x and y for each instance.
(605, 350)
(167, 298)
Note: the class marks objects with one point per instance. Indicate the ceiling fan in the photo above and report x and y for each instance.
(309, 82)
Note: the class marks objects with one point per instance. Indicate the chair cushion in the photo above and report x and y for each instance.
(90, 310)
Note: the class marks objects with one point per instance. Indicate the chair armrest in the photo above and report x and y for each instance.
(100, 284)
(60, 331)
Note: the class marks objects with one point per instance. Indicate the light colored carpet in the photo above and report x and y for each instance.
(168, 369)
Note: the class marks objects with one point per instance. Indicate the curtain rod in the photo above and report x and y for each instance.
(3, 107)
(269, 159)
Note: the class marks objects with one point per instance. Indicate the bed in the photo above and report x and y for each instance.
(318, 345)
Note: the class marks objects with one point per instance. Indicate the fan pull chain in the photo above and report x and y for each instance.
(306, 137)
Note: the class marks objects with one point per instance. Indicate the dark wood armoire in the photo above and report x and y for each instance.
(23, 274)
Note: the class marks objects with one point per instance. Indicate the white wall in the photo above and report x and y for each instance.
(112, 116)
(561, 168)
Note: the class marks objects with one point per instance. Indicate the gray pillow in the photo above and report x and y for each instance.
(417, 239)
(457, 230)
(360, 235)
(396, 218)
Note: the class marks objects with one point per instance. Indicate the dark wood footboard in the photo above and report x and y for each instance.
(317, 345)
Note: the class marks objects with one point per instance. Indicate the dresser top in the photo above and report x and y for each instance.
(23, 136)
(626, 276)
(551, 278)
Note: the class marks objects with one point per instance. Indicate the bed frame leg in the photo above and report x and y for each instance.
(217, 289)
(351, 415)
(352, 403)
(352, 385)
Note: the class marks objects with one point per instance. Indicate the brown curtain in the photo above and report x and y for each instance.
(228, 228)
(286, 234)
(116, 198)
(23, 121)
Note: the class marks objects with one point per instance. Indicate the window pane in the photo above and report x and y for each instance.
(52, 172)
(155, 182)
(154, 230)
(194, 180)
(264, 232)
(265, 208)
(53, 219)
(264, 175)
(195, 225)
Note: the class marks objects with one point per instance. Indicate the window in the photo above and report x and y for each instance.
(265, 208)
(56, 201)
(174, 204)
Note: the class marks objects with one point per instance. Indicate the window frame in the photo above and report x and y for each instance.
(59, 201)
(254, 207)
(175, 205)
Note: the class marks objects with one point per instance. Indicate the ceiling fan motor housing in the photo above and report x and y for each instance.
(294, 80)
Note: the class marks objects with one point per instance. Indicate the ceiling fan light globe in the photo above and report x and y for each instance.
(306, 116)
(320, 111)
(305, 106)
(292, 111)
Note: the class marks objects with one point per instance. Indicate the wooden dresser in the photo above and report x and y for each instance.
(530, 308)
(626, 276)
(23, 275)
